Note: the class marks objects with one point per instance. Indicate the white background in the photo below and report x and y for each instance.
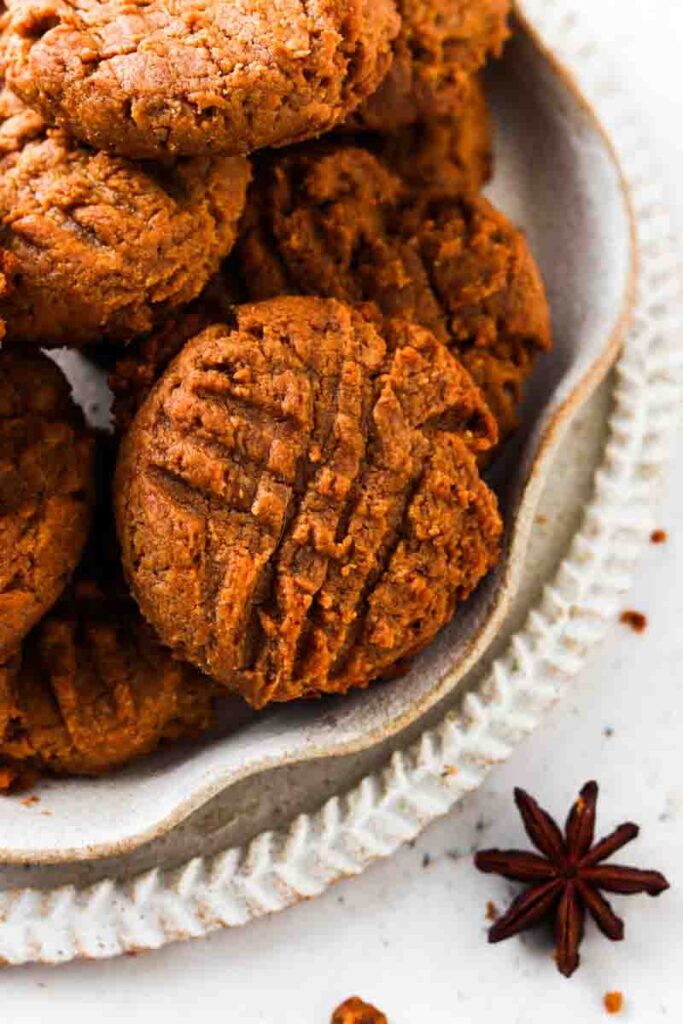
(410, 934)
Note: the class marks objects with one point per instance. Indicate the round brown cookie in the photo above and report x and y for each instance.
(46, 467)
(102, 247)
(447, 155)
(298, 500)
(168, 78)
(442, 43)
(94, 689)
(334, 221)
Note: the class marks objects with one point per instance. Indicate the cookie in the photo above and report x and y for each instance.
(93, 689)
(46, 466)
(298, 499)
(442, 43)
(446, 155)
(100, 247)
(336, 222)
(162, 78)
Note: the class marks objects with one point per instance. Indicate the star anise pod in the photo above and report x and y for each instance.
(566, 880)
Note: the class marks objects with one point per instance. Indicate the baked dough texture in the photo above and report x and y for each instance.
(441, 45)
(298, 499)
(446, 154)
(100, 247)
(144, 360)
(335, 221)
(46, 466)
(93, 689)
(172, 78)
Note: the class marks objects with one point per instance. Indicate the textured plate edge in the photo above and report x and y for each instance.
(422, 783)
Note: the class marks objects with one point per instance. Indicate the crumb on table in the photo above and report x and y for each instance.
(614, 1002)
(659, 537)
(491, 911)
(355, 1011)
(635, 620)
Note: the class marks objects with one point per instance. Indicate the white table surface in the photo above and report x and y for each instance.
(410, 933)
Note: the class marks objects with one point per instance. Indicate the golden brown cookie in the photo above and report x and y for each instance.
(447, 155)
(442, 43)
(100, 247)
(298, 499)
(165, 78)
(334, 221)
(46, 467)
(94, 689)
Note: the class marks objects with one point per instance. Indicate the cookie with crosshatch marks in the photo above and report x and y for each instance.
(335, 221)
(165, 78)
(93, 689)
(46, 466)
(99, 247)
(298, 499)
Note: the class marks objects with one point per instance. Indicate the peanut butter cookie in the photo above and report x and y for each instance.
(93, 689)
(298, 499)
(169, 78)
(442, 43)
(101, 247)
(446, 155)
(335, 221)
(46, 466)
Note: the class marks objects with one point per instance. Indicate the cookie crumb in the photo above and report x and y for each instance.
(608, 731)
(635, 620)
(426, 860)
(491, 911)
(659, 537)
(29, 801)
(355, 1011)
(614, 1002)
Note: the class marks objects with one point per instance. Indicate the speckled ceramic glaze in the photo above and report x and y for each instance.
(558, 176)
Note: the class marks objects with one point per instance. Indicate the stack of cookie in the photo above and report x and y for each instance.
(265, 215)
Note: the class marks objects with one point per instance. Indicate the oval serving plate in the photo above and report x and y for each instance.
(557, 176)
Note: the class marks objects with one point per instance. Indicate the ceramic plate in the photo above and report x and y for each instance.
(557, 176)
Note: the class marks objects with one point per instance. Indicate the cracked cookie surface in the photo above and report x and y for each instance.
(93, 689)
(46, 465)
(298, 499)
(335, 221)
(100, 247)
(166, 77)
(442, 43)
(448, 155)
